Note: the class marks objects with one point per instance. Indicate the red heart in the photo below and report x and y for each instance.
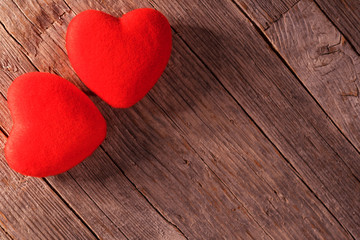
(55, 125)
(120, 59)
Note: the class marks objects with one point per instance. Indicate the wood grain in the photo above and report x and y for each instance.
(345, 15)
(212, 125)
(266, 12)
(150, 188)
(4, 235)
(30, 210)
(324, 61)
(329, 69)
(188, 149)
(274, 98)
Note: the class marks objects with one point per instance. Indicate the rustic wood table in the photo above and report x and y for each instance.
(252, 132)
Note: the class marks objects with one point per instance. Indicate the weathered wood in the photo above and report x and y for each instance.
(345, 15)
(188, 147)
(4, 235)
(213, 126)
(30, 210)
(324, 62)
(265, 12)
(274, 98)
(329, 69)
(149, 184)
(205, 226)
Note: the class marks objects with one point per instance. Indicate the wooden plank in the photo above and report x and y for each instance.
(30, 210)
(5, 122)
(345, 15)
(325, 63)
(273, 97)
(265, 12)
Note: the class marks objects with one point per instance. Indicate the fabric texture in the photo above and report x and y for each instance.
(120, 59)
(55, 125)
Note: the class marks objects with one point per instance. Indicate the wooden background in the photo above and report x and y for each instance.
(252, 132)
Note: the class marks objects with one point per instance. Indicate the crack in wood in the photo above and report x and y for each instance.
(351, 94)
(356, 50)
(4, 230)
(3, 131)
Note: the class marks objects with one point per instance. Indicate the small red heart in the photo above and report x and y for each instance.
(120, 59)
(55, 125)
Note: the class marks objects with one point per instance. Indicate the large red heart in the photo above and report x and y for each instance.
(120, 59)
(55, 125)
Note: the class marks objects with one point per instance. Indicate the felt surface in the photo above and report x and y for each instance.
(55, 125)
(120, 59)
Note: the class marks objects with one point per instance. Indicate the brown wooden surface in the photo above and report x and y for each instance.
(241, 138)
(328, 66)
(345, 14)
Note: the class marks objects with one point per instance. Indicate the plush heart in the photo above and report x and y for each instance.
(120, 59)
(55, 125)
